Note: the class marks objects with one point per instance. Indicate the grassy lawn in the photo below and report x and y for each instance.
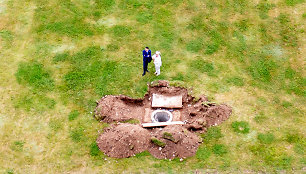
(58, 57)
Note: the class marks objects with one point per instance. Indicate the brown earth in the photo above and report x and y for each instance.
(182, 143)
(124, 140)
(119, 108)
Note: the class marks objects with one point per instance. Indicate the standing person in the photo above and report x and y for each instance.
(157, 62)
(146, 58)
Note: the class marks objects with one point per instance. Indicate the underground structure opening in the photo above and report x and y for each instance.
(161, 116)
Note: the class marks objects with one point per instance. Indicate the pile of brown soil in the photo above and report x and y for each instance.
(124, 140)
(119, 108)
(179, 142)
(201, 116)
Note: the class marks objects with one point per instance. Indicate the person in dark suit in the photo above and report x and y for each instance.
(146, 58)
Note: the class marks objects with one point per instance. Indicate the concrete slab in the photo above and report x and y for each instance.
(176, 116)
(162, 101)
(161, 124)
(147, 116)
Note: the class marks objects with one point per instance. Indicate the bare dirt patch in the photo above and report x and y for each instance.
(124, 140)
(3, 22)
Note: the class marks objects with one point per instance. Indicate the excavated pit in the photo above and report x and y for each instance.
(123, 140)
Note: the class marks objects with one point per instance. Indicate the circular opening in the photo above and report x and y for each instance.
(161, 116)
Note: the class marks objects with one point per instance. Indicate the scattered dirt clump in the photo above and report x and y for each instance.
(124, 140)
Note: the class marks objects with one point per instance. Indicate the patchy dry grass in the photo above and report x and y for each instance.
(58, 57)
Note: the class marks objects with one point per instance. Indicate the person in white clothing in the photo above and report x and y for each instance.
(157, 62)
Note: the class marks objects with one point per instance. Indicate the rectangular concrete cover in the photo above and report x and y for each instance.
(162, 101)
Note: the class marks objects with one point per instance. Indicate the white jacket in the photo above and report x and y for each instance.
(157, 60)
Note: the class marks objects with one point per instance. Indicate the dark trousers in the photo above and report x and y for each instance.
(145, 66)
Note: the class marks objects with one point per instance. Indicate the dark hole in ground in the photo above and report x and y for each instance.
(192, 114)
(161, 116)
(193, 129)
(202, 110)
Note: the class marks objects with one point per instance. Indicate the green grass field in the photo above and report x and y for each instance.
(58, 57)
